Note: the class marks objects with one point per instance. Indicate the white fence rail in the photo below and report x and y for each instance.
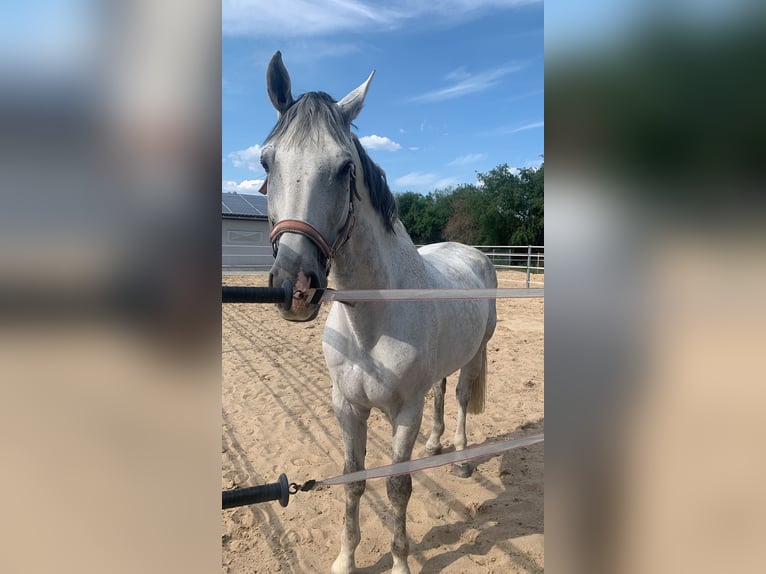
(528, 258)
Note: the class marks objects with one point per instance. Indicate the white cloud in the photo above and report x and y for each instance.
(298, 18)
(464, 83)
(421, 180)
(531, 126)
(416, 179)
(445, 182)
(379, 142)
(534, 163)
(309, 51)
(245, 186)
(467, 159)
(526, 95)
(505, 130)
(458, 74)
(249, 158)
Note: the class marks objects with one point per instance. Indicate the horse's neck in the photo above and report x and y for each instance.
(374, 258)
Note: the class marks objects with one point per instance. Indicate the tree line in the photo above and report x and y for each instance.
(502, 208)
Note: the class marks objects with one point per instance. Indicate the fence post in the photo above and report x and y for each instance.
(529, 262)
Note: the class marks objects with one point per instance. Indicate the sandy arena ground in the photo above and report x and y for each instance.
(277, 417)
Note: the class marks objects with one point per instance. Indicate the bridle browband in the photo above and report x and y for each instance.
(329, 250)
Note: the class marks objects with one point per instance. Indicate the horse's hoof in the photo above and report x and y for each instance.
(431, 451)
(462, 470)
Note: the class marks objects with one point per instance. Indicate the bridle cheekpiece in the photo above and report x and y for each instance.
(329, 250)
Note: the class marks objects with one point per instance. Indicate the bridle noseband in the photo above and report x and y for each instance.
(329, 250)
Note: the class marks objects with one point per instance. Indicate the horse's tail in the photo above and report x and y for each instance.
(479, 386)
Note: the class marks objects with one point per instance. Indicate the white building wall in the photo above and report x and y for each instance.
(245, 244)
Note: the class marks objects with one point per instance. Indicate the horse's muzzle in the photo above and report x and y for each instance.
(298, 263)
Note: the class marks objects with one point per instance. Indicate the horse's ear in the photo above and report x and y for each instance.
(351, 105)
(278, 84)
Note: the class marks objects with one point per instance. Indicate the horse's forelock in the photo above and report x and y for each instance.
(306, 116)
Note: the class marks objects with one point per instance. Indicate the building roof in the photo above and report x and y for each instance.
(237, 205)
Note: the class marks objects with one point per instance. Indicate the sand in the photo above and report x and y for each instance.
(277, 418)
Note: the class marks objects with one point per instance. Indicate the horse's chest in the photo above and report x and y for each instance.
(389, 372)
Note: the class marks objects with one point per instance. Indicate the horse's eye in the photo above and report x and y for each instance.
(264, 165)
(348, 169)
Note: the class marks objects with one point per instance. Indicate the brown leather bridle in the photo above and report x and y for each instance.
(304, 228)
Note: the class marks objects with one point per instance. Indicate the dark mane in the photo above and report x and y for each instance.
(302, 121)
(375, 179)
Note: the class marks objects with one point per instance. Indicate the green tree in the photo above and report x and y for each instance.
(463, 224)
(506, 207)
(530, 208)
(424, 216)
(516, 203)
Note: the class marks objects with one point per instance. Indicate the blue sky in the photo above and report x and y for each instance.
(457, 89)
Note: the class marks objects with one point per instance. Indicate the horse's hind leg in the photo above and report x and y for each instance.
(434, 445)
(406, 425)
(353, 425)
(470, 398)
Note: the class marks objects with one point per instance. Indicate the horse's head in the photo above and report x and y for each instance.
(310, 162)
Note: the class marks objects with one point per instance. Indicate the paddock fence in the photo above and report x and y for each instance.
(529, 259)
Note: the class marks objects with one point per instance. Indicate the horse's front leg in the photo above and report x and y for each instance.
(353, 426)
(399, 488)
